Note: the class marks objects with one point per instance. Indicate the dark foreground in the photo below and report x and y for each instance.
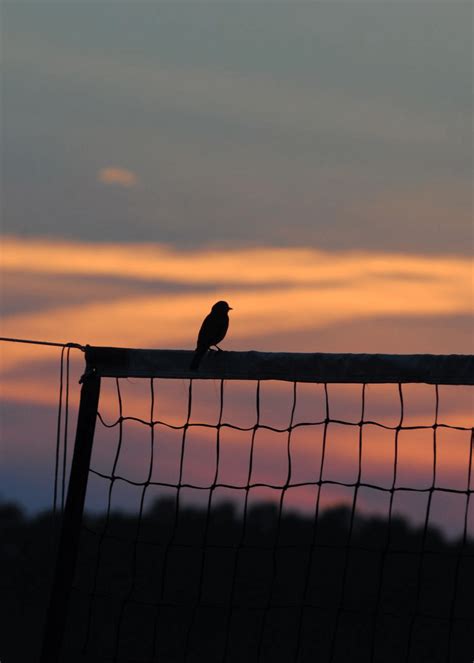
(204, 590)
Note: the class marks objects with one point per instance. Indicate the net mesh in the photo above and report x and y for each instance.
(311, 530)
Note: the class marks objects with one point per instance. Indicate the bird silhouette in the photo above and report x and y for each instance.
(213, 330)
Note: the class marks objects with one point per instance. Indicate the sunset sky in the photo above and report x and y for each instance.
(309, 162)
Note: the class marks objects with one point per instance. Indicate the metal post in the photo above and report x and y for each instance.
(71, 523)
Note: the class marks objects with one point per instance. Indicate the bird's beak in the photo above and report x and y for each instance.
(230, 308)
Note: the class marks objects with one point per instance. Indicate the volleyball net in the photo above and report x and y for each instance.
(271, 506)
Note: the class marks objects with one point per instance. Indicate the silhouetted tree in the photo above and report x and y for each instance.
(267, 566)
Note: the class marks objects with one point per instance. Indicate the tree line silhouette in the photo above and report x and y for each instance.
(180, 583)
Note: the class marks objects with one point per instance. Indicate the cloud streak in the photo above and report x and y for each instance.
(273, 291)
(254, 266)
(117, 176)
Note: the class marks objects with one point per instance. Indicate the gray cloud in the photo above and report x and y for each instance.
(247, 124)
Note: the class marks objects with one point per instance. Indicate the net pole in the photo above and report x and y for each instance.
(71, 523)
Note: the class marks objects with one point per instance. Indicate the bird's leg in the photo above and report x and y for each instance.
(218, 348)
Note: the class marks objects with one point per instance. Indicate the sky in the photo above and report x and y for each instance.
(342, 125)
(309, 162)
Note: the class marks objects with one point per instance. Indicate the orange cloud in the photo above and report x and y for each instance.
(273, 291)
(172, 320)
(118, 176)
(258, 266)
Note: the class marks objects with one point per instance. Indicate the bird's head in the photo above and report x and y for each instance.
(221, 307)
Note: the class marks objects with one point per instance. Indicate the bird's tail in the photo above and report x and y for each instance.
(196, 360)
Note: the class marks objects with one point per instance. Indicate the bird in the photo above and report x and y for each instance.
(213, 330)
